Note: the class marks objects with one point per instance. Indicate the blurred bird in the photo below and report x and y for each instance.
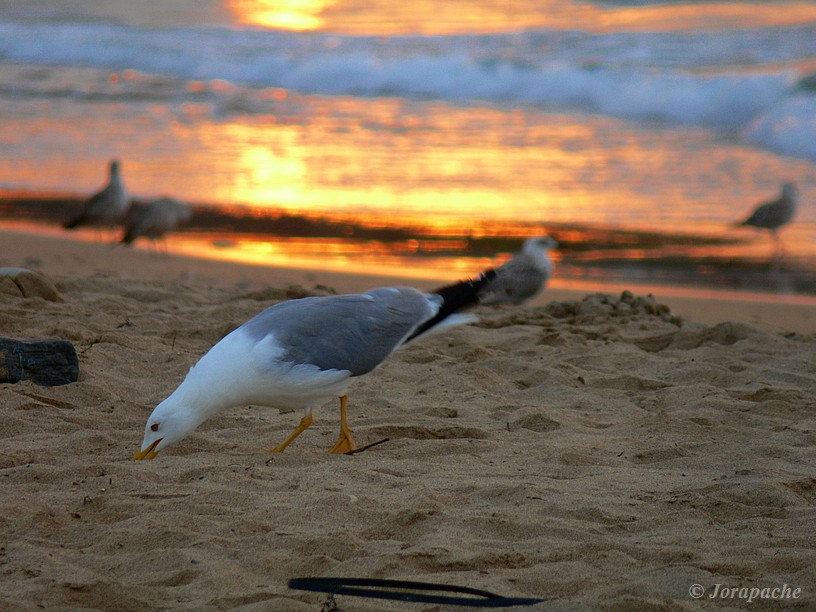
(107, 207)
(156, 219)
(774, 214)
(523, 276)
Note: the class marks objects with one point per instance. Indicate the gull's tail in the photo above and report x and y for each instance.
(455, 298)
(129, 236)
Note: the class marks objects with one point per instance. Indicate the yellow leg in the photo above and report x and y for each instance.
(304, 424)
(345, 442)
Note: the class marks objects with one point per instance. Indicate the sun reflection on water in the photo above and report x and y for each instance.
(398, 260)
(449, 167)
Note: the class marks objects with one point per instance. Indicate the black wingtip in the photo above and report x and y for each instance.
(464, 293)
(456, 297)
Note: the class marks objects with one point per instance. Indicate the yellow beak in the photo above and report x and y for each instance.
(148, 453)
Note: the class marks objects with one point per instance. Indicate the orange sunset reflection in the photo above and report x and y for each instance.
(443, 168)
(456, 177)
(331, 255)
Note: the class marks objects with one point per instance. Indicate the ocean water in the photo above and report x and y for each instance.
(459, 114)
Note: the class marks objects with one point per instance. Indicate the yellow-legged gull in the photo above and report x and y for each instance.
(302, 353)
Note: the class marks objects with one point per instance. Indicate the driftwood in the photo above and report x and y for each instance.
(44, 362)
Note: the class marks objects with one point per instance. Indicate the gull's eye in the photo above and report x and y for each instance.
(154, 427)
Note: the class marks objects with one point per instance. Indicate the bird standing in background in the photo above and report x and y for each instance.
(774, 214)
(303, 353)
(107, 207)
(522, 277)
(155, 220)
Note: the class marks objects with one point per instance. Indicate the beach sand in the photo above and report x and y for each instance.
(598, 451)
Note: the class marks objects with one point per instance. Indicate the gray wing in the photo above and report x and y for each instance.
(105, 206)
(158, 218)
(772, 215)
(346, 332)
(95, 207)
(516, 281)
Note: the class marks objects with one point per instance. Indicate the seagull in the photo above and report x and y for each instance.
(156, 219)
(301, 353)
(774, 214)
(107, 207)
(522, 277)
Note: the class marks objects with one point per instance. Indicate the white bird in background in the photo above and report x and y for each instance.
(303, 353)
(107, 207)
(156, 219)
(773, 215)
(523, 276)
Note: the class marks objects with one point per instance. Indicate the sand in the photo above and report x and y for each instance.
(598, 451)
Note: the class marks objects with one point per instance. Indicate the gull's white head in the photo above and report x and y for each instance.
(538, 249)
(169, 423)
(217, 382)
(789, 191)
(540, 243)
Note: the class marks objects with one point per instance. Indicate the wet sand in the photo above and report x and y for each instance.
(719, 258)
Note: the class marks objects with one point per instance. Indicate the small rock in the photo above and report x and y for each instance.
(21, 282)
